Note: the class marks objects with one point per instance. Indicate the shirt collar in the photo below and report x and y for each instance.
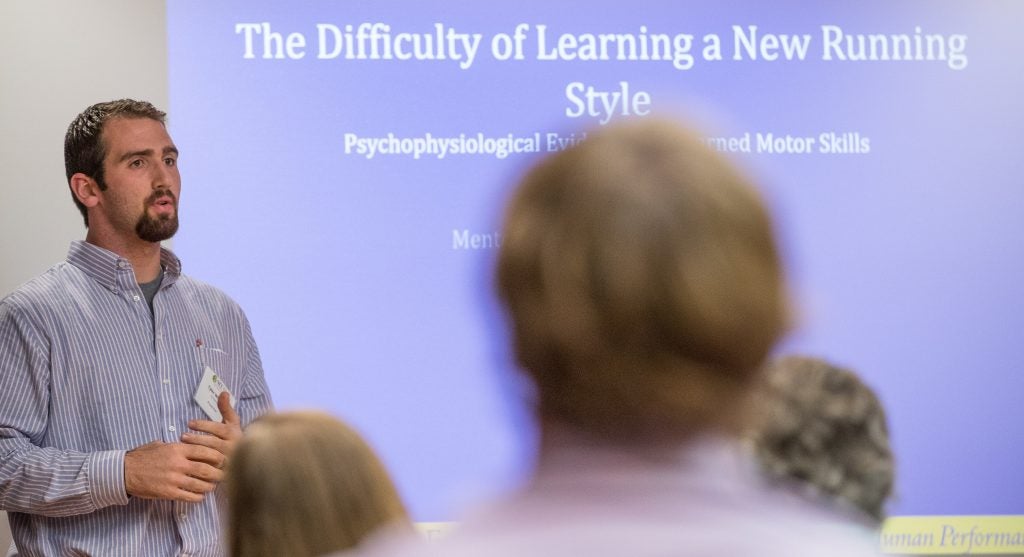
(113, 271)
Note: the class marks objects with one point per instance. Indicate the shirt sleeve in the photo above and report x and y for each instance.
(34, 479)
(255, 395)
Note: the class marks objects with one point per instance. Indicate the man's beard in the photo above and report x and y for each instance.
(163, 226)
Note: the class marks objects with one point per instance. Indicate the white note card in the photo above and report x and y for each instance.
(209, 389)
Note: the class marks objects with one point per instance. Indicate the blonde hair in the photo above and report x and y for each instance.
(304, 484)
(642, 280)
(820, 426)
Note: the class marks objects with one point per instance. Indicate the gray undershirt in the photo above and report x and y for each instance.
(149, 289)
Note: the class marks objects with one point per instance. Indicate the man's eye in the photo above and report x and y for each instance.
(137, 163)
(171, 161)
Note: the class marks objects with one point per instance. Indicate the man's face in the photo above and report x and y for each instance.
(142, 180)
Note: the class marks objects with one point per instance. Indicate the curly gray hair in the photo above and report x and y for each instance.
(820, 426)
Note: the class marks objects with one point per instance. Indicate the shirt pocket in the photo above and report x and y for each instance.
(226, 365)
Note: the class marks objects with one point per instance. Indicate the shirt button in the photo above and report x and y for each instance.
(135, 297)
(171, 428)
(122, 264)
(182, 516)
(167, 381)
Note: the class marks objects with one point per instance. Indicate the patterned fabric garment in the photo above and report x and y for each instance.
(87, 373)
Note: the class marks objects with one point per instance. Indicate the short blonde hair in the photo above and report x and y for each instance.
(304, 484)
(819, 425)
(641, 277)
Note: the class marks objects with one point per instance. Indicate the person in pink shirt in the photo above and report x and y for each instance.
(643, 289)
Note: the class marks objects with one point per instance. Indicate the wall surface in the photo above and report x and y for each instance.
(60, 56)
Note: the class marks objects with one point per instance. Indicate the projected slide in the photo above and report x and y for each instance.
(344, 166)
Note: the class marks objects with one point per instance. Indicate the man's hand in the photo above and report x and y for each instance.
(174, 471)
(222, 436)
(188, 470)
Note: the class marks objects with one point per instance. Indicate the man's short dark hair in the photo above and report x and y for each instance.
(84, 149)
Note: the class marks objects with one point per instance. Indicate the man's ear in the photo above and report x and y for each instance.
(85, 189)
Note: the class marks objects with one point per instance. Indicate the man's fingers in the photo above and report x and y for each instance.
(187, 496)
(192, 490)
(227, 433)
(175, 471)
(229, 414)
(213, 428)
(202, 454)
(203, 478)
(211, 441)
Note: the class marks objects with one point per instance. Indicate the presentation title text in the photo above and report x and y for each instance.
(381, 42)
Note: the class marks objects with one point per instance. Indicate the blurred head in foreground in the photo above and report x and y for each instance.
(643, 284)
(822, 429)
(305, 484)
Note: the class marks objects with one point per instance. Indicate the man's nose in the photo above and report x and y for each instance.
(163, 177)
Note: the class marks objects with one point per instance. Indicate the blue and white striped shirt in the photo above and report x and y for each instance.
(87, 373)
